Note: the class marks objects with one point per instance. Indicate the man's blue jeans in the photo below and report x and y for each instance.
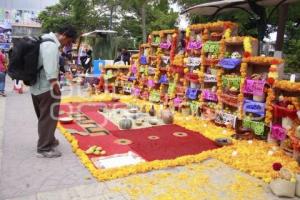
(2, 81)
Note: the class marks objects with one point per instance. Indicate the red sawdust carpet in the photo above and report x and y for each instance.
(155, 143)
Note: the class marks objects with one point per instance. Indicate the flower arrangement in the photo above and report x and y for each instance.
(178, 60)
(227, 33)
(223, 25)
(269, 107)
(248, 45)
(263, 60)
(287, 86)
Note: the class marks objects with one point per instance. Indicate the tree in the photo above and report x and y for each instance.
(80, 13)
(156, 15)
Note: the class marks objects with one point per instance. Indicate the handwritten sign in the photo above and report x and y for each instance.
(191, 93)
(230, 100)
(254, 107)
(171, 88)
(255, 87)
(208, 78)
(209, 95)
(229, 81)
(257, 127)
(193, 61)
(278, 132)
(225, 118)
(165, 45)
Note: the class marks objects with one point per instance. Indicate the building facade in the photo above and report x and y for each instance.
(21, 16)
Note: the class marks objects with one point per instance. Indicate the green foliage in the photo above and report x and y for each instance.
(292, 56)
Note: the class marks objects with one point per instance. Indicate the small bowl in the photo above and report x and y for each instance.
(153, 121)
(133, 110)
(66, 120)
(223, 141)
(139, 122)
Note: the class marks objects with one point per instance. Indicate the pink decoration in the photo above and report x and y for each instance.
(209, 95)
(278, 133)
(136, 92)
(255, 87)
(150, 83)
(165, 45)
(177, 101)
(194, 45)
(134, 69)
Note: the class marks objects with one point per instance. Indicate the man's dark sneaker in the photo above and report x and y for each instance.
(2, 94)
(53, 153)
(55, 143)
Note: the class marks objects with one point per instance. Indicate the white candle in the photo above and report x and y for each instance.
(234, 153)
(293, 78)
(270, 152)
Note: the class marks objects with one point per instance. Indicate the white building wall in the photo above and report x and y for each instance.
(33, 5)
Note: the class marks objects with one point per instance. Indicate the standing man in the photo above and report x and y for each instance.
(46, 91)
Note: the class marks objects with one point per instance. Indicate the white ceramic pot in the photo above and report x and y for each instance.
(259, 98)
(283, 188)
(287, 123)
(298, 185)
(194, 85)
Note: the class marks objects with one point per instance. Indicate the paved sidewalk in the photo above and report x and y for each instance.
(22, 173)
(25, 177)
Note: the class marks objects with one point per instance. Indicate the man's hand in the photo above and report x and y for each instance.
(55, 87)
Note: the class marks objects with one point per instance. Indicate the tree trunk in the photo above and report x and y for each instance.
(282, 17)
(111, 17)
(143, 15)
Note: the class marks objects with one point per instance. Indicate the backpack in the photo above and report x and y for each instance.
(24, 58)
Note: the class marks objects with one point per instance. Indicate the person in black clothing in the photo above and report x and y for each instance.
(87, 62)
(125, 56)
(119, 56)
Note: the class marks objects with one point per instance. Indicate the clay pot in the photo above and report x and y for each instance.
(283, 188)
(167, 116)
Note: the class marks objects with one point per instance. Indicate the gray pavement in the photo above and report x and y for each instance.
(25, 177)
(21, 172)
